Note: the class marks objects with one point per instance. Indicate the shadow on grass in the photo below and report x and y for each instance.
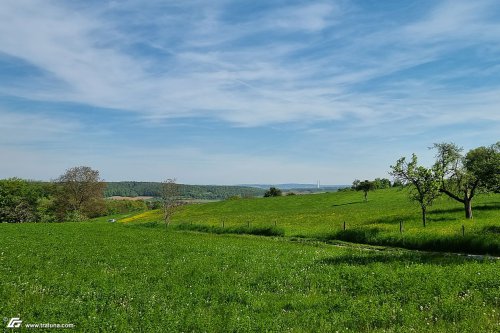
(391, 219)
(474, 243)
(431, 218)
(348, 203)
(354, 235)
(390, 257)
(261, 231)
(485, 207)
(492, 229)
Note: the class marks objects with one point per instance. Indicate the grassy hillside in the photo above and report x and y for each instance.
(375, 222)
(133, 277)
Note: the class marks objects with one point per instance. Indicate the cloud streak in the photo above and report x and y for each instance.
(305, 65)
(252, 84)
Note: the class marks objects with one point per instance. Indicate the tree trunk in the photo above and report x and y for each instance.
(468, 208)
(424, 216)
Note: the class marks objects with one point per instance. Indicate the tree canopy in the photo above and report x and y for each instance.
(273, 192)
(423, 183)
(80, 193)
(364, 186)
(462, 176)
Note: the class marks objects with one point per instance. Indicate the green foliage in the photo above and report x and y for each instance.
(364, 186)
(483, 164)
(424, 184)
(381, 183)
(462, 176)
(208, 192)
(80, 194)
(273, 192)
(18, 200)
(125, 206)
(46, 209)
(122, 278)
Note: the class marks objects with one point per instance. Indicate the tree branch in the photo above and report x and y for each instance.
(451, 195)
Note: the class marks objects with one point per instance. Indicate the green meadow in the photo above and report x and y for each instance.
(113, 277)
(388, 218)
(204, 273)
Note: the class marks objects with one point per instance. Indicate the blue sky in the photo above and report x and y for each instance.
(230, 92)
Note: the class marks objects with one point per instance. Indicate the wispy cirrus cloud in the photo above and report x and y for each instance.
(248, 83)
(346, 69)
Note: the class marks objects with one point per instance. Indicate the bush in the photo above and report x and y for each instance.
(125, 206)
(273, 192)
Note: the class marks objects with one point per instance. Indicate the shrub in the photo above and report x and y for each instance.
(273, 192)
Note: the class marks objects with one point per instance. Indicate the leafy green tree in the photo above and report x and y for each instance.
(381, 183)
(364, 186)
(18, 200)
(463, 176)
(273, 192)
(80, 194)
(423, 183)
(171, 199)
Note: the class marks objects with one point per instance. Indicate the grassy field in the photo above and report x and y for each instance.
(141, 277)
(377, 221)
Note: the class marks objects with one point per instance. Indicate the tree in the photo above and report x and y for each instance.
(364, 186)
(170, 197)
(462, 176)
(423, 182)
(273, 192)
(18, 200)
(80, 193)
(381, 183)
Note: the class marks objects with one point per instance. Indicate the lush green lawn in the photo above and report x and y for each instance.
(375, 222)
(140, 277)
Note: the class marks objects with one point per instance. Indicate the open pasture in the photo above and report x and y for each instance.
(141, 277)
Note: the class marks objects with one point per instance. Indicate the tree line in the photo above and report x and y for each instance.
(187, 192)
(79, 194)
(76, 195)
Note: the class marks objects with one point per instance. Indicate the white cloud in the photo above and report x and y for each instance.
(252, 84)
(19, 128)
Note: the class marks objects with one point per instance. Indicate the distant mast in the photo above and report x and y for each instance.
(318, 184)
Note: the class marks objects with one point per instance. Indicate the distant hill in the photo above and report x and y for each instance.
(153, 189)
(296, 186)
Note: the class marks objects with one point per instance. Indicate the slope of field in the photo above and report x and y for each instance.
(131, 277)
(375, 222)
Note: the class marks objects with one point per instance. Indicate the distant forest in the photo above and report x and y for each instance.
(153, 189)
